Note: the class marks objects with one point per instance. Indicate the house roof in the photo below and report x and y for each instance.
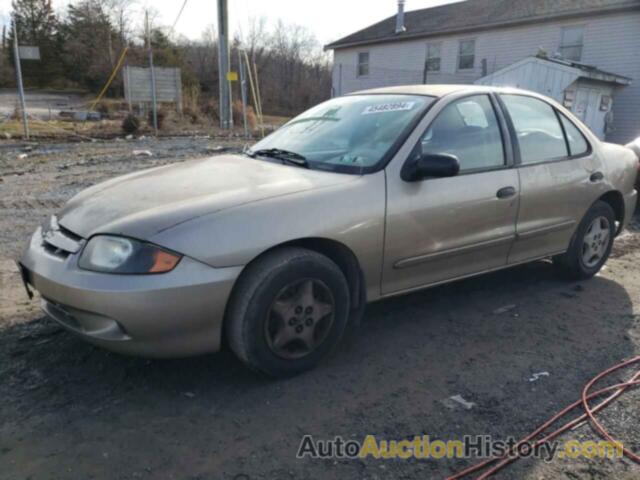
(550, 76)
(474, 15)
(591, 72)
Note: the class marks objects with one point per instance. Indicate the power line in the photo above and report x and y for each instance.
(175, 22)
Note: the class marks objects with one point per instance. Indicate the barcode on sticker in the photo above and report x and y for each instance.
(388, 107)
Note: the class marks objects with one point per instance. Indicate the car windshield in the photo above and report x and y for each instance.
(350, 134)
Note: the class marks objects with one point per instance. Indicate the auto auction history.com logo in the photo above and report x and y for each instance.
(480, 446)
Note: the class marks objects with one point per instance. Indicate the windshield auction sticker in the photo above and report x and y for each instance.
(389, 107)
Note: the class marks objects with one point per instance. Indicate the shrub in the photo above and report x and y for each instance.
(191, 97)
(211, 110)
(104, 109)
(192, 114)
(161, 117)
(130, 124)
(252, 119)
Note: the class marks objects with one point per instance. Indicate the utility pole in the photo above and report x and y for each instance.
(154, 95)
(226, 120)
(243, 92)
(16, 58)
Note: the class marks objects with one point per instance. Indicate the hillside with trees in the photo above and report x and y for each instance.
(80, 48)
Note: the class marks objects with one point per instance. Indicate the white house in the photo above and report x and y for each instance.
(584, 53)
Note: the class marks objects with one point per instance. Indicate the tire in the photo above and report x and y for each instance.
(267, 300)
(575, 263)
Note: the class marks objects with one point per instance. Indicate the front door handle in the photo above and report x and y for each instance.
(596, 177)
(506, 192)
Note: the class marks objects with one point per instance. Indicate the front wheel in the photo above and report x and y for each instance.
(591, 245)
(288, 311)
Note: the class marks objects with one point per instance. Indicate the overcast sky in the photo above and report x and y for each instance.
(327, 19)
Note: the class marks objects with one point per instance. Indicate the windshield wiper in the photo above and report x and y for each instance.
(285, 156)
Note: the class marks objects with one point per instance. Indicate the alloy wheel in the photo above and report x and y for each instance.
(300, 318)
(595, 242)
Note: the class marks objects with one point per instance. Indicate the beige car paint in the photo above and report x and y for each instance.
(444, 228)
(351, 213)
(149, 201)
(223, 212)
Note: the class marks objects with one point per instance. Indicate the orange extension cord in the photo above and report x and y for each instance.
(589, 414)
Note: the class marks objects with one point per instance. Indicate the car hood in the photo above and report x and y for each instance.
(144, 203)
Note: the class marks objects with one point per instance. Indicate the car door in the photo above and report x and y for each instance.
(560, 176)
(439, 229)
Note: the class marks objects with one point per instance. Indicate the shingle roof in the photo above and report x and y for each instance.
(479, 15)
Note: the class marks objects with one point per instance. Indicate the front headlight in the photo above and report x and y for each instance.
(111, 254)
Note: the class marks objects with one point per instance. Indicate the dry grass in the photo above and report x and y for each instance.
(195, 120)
(174, 125)
(60, 129)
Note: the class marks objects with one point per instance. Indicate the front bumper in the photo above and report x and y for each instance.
(175, 314)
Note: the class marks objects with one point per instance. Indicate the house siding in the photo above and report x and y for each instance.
(611, 43)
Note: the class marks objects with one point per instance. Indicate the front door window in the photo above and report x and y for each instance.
(467, 128)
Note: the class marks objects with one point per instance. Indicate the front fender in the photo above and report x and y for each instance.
(352, 214)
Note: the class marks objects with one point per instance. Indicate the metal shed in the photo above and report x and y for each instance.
(585, 90)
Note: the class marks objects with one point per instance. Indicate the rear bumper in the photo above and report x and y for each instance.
(176, 314)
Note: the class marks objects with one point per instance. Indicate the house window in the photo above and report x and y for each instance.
(571, 43)
(466, 54)
(363, 64)
(433, 57)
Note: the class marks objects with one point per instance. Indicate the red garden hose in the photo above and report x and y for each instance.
(511, 456)
(594, 422)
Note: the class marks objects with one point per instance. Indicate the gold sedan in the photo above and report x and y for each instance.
(276, 251)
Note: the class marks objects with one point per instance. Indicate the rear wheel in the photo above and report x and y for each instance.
(288, 311)
(591, 245)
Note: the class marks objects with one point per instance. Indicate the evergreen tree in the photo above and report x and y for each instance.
(91, 44)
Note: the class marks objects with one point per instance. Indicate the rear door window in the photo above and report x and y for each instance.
(538, 129)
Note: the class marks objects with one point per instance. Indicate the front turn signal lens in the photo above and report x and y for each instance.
(163, 262)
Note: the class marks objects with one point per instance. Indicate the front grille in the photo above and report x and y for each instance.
(56, 252)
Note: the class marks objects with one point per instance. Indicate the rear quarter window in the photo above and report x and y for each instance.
(578, 145)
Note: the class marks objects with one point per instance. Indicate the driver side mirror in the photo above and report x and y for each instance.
(431, 165)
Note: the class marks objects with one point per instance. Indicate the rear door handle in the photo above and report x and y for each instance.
(596, 177)
(506, 192)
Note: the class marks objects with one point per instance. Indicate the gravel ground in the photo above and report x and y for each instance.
(71, 411)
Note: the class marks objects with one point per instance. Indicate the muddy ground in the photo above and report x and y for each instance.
(71, 411)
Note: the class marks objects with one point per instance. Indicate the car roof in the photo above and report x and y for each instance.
(438, 90)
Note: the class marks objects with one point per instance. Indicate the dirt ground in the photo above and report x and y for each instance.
(69, 410)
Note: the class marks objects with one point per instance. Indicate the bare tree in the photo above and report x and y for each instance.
(121, 13)
(292, 65)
